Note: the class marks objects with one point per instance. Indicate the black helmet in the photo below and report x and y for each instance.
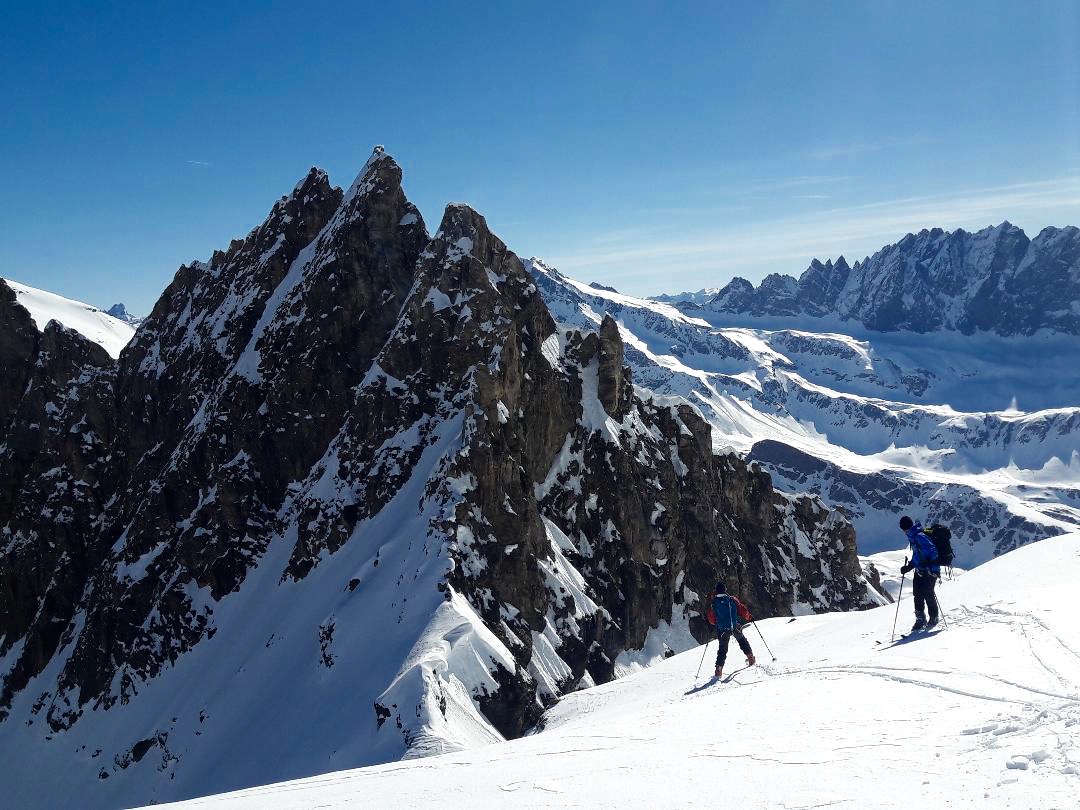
(906, 523)
(720, 587)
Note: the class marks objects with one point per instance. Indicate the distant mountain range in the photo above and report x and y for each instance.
(995, 280)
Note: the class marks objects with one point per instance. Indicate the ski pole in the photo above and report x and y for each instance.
(699, 666)
(763, 641)
(941, 610)
(899, 596)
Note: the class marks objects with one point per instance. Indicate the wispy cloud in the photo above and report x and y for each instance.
(784, 183)
(785, 244)
(198, 162)
(853, 148)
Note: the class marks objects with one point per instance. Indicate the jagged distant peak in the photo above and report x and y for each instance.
(120, 312)
(995, 280)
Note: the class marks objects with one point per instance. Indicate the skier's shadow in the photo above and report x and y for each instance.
(910, 638)
(713, 681)
(701, 688)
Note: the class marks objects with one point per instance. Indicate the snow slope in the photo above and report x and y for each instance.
(985, 713)
(877, 424)
(112, 334)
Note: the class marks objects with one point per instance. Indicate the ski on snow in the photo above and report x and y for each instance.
(910, 636)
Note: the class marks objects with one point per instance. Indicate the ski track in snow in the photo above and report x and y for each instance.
(984, 713)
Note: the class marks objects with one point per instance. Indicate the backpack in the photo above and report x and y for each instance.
(740, 609)
(941, 537)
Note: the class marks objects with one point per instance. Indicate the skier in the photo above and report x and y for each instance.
(923, 560)
(725, 612)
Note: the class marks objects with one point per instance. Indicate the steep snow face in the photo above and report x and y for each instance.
(864, 419)
(112, 334)
(983, 713)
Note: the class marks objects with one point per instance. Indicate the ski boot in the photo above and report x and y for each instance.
(920, 623)
(750, 660)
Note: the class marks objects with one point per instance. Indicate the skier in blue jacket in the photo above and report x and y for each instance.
(724, 613)
(923, 561)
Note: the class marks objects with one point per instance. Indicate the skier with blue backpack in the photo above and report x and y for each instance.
(925, 563)
(724, 613)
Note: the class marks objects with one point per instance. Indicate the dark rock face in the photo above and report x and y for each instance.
(995, 280)
(53, 462)
(610, 372)
(340, 381)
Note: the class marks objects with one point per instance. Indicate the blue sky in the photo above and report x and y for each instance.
(652, 146)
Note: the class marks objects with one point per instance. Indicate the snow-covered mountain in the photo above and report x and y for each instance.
(699, 297)
(349, 495)
(103, 328)
(996, 280)
(119, 311)
(865, 421)
(354, 492)
(982, 714)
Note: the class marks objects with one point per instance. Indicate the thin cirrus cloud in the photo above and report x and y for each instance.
(856, 148)
(198, 162)
(786, 244)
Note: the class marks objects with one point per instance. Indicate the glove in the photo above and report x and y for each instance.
(905, 568)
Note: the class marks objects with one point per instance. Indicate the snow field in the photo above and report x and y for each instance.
(112, 334)
(985, 713)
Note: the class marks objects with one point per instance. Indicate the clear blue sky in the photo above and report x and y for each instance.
(652, 146)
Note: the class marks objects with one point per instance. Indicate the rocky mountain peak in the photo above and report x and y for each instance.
(994, 280)
(119, 311)
(347, 464)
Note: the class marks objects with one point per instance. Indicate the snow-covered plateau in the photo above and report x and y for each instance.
(985, 713)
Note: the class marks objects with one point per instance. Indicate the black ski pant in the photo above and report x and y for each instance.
(723, 637)
(923, 585)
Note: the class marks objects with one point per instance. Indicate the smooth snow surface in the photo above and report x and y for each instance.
(112, 334)
(985, 713)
